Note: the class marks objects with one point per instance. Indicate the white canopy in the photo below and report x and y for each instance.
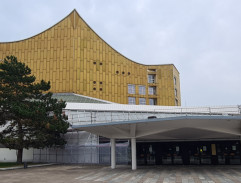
(173, 129)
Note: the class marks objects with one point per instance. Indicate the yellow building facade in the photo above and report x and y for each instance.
(76, 60)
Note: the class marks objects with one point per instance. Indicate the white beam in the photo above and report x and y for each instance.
(113, 160)
(133, 153)
(121, 131)
(231, 131)
(133, 130)
(153, 131)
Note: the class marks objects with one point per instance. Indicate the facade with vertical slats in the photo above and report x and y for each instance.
(76, 60)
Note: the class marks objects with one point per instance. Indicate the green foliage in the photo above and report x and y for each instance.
(29, 117)
(8, 165)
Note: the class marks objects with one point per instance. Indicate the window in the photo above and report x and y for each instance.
(175, 80)
(152, 101)
(131, 100)
(176, 102)
(142, 101)
(142, 90)
(152, 90)
(131, 89)
(151, 70)
(175, 92)
(151, 78)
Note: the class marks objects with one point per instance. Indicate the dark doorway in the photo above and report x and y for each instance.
(188, 153)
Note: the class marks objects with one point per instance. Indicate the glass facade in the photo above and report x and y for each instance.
(189, 153)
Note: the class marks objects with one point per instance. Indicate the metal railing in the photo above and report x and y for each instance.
(82, 117)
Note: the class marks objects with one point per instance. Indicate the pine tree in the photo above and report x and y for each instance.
(30, 117)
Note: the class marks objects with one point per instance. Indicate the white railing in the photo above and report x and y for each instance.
(83, 117)
(225, 110)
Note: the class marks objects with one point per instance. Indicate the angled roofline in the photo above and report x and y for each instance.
(114, 48)
(93, 98)
(155, 120)
(40, 32)
(91, 30)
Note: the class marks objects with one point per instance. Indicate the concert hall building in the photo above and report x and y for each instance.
(121, 111)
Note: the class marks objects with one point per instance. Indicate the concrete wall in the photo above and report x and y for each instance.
(7, 155)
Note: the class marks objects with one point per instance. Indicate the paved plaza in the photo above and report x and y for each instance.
(123, 174)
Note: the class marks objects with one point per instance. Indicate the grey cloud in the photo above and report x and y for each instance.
(201, 37)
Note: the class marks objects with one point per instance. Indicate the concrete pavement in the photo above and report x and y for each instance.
(123, 174)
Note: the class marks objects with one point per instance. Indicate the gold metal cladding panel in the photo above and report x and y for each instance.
(75, 59)
(177, 85)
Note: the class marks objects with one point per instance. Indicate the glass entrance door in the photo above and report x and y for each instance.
(146, 154)
(193, 153)
(228, 153)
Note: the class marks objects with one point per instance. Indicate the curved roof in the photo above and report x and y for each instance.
(75, 12)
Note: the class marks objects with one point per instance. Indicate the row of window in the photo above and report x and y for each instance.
(117, 72)
(142, 89)
(94, 82)
(152, 79)
(100, 63)
(142, 101)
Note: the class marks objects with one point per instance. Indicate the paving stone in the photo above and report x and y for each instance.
(123, 174)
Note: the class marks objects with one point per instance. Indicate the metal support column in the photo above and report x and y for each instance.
(113, 160)
(133, 153)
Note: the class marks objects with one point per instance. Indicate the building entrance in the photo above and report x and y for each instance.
(188, 153)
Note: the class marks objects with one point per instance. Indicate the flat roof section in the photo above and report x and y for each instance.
(76, 98)
(219, 110)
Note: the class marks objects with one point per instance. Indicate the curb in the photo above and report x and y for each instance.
(29, 166)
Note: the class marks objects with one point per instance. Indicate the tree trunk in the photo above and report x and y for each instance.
(20, 143)
(20, 156)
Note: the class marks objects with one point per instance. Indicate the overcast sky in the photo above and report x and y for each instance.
(201, 37)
